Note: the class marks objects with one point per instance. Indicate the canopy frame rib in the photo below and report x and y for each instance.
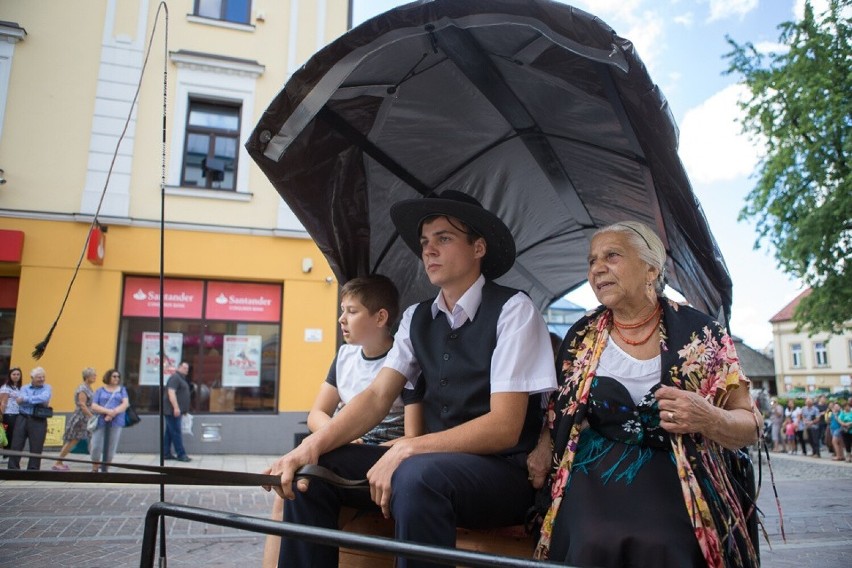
(466, 53)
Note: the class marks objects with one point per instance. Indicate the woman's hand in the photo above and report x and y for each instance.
(685, 412)
(538, 460)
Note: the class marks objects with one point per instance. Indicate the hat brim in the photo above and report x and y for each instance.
(407, 216)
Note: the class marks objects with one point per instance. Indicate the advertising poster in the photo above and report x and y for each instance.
(241, 361)
(149, 362)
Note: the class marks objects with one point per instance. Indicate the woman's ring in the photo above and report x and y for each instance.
(671, 416)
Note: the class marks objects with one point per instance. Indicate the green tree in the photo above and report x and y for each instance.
(799, 110)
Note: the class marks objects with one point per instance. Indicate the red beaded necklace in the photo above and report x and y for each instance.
(636, 325)
(617, 327)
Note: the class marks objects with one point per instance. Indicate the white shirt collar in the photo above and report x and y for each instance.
(466, 307)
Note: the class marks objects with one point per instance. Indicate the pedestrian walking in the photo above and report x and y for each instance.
(77, 427)
(176, 402)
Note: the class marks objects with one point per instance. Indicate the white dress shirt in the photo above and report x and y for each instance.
(522, 359)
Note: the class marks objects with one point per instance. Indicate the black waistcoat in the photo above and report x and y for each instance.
(456, 366)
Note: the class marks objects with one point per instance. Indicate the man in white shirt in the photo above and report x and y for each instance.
(484, 353)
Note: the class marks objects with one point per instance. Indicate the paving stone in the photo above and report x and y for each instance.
(73, 525)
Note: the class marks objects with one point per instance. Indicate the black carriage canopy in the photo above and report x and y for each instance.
(535, 108)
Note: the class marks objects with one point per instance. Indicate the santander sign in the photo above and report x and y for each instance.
(232, 301)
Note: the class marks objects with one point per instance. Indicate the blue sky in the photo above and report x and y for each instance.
(682, 43)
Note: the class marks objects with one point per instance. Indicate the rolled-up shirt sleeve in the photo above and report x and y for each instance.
(522, 359)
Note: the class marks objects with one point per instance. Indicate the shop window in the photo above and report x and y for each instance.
(227, 332)
(796, 356)
(8, 306)
(211, 145)
(821, 354)
(7, 328)
(236, 11)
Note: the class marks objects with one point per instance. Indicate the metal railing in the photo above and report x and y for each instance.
(330, 537)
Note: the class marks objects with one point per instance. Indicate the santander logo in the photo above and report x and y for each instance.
(139, 295)
(221, 299)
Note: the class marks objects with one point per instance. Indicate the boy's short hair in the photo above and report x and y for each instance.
(376, 292)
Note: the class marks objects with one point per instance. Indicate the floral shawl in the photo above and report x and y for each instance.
(698, 355)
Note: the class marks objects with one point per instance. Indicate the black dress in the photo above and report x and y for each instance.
(623, 505)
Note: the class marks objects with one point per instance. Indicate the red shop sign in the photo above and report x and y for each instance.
(182, 298)
(9, 293)
(239, 301)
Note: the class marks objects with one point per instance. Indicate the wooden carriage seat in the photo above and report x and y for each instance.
(508, 541)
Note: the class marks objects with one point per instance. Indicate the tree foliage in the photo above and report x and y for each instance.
(799, 110)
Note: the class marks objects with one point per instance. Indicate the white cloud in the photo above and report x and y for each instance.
(819, 7)
(686, 20)
(723, 9)
(767, 47)
(712, 146)
(640, 21)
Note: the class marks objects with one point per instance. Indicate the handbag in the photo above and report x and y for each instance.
(131, 417)
(40, 411)
(92, 423)
(186, 424)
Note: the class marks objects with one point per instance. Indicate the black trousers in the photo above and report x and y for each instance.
(432, 495)
(34, 429)
(813, 438)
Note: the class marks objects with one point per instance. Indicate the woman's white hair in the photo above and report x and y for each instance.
(647, 244)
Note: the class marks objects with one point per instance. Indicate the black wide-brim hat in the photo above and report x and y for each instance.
(408, 216)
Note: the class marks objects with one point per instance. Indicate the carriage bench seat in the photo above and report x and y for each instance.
(508, 541)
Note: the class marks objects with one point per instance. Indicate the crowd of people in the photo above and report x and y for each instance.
(817, 424)
(26, 409)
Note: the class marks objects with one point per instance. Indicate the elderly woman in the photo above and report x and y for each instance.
(76, 429)
(637, 453)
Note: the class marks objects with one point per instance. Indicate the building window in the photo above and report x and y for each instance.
(228, 332)
(237, 11)
(821, 354)
(849, 351)
(210, 149)
(796, 356)
(212, 94)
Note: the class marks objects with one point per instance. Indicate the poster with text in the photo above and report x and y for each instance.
(149, 362)
(241, 360)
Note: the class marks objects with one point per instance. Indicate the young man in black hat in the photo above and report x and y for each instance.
(484, 352)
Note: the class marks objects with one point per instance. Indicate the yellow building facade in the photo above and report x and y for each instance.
(249, 300)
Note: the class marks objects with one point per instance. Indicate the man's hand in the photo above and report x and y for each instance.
(381, 473)
(287, 465)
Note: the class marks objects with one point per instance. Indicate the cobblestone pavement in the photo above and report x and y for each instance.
(79, 525)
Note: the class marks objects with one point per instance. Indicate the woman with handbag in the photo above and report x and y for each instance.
(76, 429)
(110, 402)
(9, 393)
